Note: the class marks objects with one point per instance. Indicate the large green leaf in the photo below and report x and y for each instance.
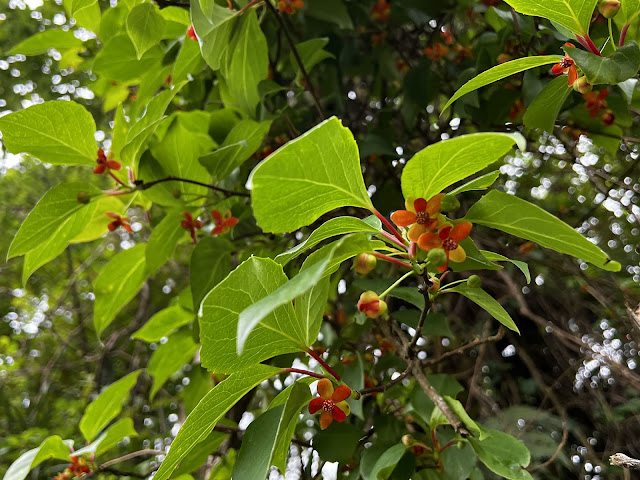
(278, 333)
(60, 133)
(387, 462)
(252, 315)
(51, 447)
(51, 217)
(629, 10)
(163, 241)
(293, 398)
(501, 71)
(445, 163)
(210, 263)
(106, 406)
(57, 240)
(574, 15)
(487, 302)
(337, 443)
(214, 27)
(163, 324)
(242, 142)
(503, 454)
(110, 438)
(544, 109)
(211, 408)
(525, 220)
(118, 60)
(117, 284)
(145, 27)
(331, 228)
(199, 454)
(178, 152)
(479, 183)
(309, 176)
(41, 42)
(98, 224)
(86, 13)
(249, 63)
(621, 65)
(189, 62)
(169, 357)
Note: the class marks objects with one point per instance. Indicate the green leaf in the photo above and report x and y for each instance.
(106, 406)
(475, 259)
(629, 9)
(209, 411)
(51, 216)
(621, 65)
(189, 62)
(57, 239)
(331, 228)
(337, 443)
(202, 451)
(487, 302)
(51, 447)
(574, 15)
(444, 384)
(501, 71)
(249, 63)
(479, 183)
(41, 42)
(60, 133)
(252, 315)
(253, 280)
(117, 284)
(86, 13)
(242, 142)
(387, 462)
(544, 109)
(502, 454)
(106, 441)
(97, 225)
(496, 257)
(309, 176)
(445, 163)
(213, 28)
(523, 219)
(145, 27)
(294, 397)
(169, 357)
(145, 127)
(178, 152)
(118, 60)
(163, 324)
(457, 408)
(210, 264)
(332, 11)
(163, 240)
(311, 53)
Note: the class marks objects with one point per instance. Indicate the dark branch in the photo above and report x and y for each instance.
(224, 191)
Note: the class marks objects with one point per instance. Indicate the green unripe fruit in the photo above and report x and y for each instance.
(364, 263)
(581, 85)
(609, 8)
(437, 257)
(449, 203)
(474, 281)
(383, 308)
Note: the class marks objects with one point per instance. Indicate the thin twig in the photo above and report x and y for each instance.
(478, 341)
(129, 456)
(296, 55)
(227, 193)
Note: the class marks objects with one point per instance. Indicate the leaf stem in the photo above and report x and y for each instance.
(388, 224)
(324, 364)
(303, 372)
(395, 284)
(393, 239)
(118, 181)
(613, 42)
(623, 34)
(387, 258)
(248, 6)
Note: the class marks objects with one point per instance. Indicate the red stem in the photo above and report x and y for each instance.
(448, 444)
(393, 239)
(592, 45)
(413, 250)
(248, 6)
(117, 179)
(389, 225)
(325, 365)
(386, 258)
(623, 34)
(303, 372)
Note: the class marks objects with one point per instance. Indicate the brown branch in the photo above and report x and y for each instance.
(296, 55)
(386, 386)
(474, 343)
(624, 461)
(227, 193)
(129, 456)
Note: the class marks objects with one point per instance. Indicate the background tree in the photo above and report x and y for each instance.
(105, 280)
